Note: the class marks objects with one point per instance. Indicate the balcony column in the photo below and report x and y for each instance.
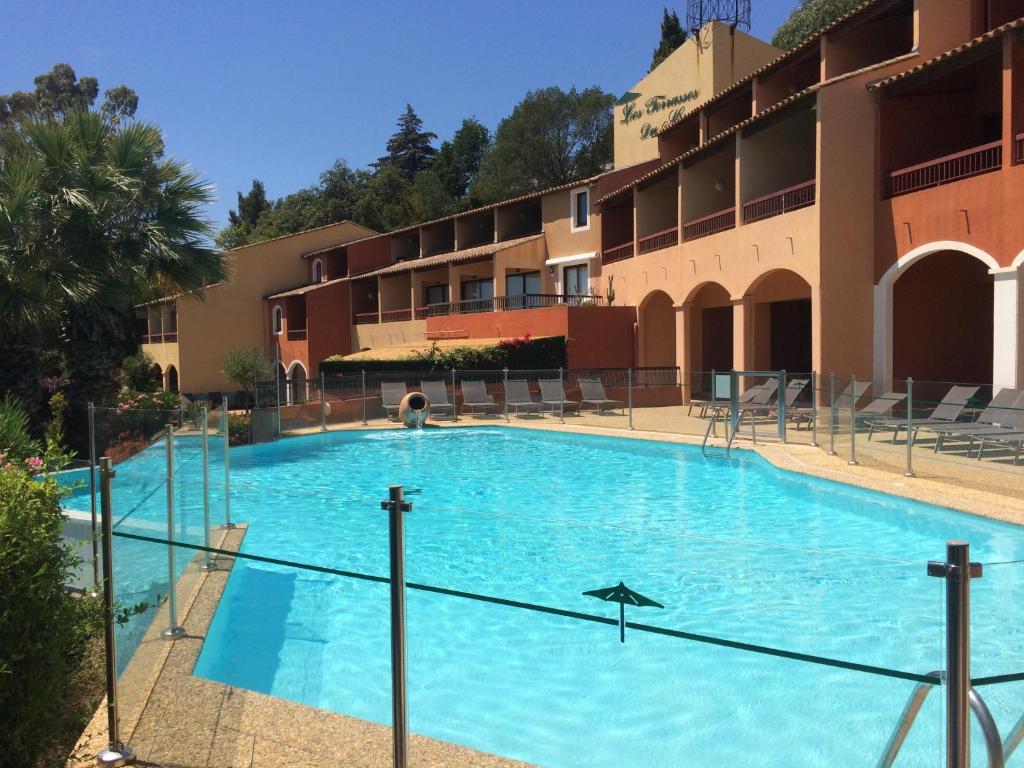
(380, 297)
(684, 346)
(742, 333)
(1006, 336)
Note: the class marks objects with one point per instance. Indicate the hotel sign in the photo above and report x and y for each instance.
(656, 112)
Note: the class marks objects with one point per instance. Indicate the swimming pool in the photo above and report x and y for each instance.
(732, 548)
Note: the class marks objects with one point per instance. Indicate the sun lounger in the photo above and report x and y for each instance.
(475, 397)
(518, 397)
(761, 398)
(999, 415)
(552, 396)
(391, 394)
(437, 394)
(592, 391)
(946, 412)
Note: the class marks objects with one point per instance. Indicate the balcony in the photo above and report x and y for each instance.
(709, 225)
(1018, 148)
(395, 315)
(617, 253)
(508, 304)
(365, 318)
(775, 204)
(159, 338)
(663, 239)
(298, 334)
(947, 169)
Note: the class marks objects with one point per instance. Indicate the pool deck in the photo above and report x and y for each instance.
(173, 719)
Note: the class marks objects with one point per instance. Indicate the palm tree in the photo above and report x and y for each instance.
(93, 220)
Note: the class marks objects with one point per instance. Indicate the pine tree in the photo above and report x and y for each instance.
(672, 36)
(250, 206)
(409, 148)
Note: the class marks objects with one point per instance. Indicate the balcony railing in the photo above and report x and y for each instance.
(709, 225)
(365, 318)
(777, 203)
(159, 338)
(945, 170)
(663, 239)
(296, 334)
(617, 253)
(1018, 148)
(395, 315)
(508, 304)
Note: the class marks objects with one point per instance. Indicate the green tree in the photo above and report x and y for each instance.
(458, 161)
(388, 202)
(244, 366)
(672, 36)
(139, 373)
(552, 137)
(59, 92)
(808, 18)
(409, 148)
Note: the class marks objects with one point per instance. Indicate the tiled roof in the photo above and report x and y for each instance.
(792, 53)
(713, 140)
(304, 289)
(452, 257)
(950, 54)
(303, 232)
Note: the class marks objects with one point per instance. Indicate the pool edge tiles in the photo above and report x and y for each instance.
(171, 717)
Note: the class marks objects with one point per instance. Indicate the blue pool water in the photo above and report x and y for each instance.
(732, 548)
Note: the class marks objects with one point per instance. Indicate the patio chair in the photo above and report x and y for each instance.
(946, 412)
(720, 386)
(518, 397)
(592, 391)
(553, 396)
(1010, 435)
(1000, 414)
(391, 394)
(437, 394)
(475, 397)
(855, 389)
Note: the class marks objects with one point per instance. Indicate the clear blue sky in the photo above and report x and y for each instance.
(279, 90)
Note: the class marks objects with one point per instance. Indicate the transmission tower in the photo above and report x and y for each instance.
(735, 13)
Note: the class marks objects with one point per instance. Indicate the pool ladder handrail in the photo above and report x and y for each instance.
(996, 749)
(707, 433)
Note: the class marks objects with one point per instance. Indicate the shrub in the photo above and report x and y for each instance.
(139, 372)
(242, 366)
(239, 429)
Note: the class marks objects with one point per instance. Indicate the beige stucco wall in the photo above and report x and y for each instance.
(387, 334)
(561, 240)
(701, 67)
(232, 313)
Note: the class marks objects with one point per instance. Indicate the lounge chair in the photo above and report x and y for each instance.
(1011, 434)
(391, 394)
(946, 412)
(1000, 414)
(760, 398)
(855, 389)
(720, 388)
(475, 397)
(437, 394)
(592, 391)
(518, 397)
(553, 396)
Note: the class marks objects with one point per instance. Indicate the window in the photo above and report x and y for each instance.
(437, 294)
(278, 316)
(522, 290)
(478, 295)
(318, 271)
(580, 209)
(577, 280)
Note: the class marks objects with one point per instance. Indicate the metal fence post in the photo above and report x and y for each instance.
(832, 413)
(781, 399)
(255, 379)
(323, 402)
(92, 499)
(227, 466)
(504, 392)
(277, 382)
(455, 397)
(909, 472)
(396, 506)
(714, 403)
(364, 397)
(958, 570)
(209, 563)
(814, 409)
(173, 631)
(853, 420)
(629, 392)
(561, 396)
(117, 753)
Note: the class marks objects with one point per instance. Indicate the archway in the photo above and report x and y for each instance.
(780, 335)
(656, 319)
(942, 315)
(171, 379)
(297, 382)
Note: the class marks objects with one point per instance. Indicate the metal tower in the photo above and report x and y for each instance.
(735, 13)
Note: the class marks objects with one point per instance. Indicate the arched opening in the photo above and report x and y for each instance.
(657, 330)
(318, 271)
(278, 319)
(158, 377)
(780, 333)
(710, 329)
(942, 319)
(297, 384)
(171, 378)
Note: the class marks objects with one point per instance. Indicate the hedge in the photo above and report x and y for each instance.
(520, 354)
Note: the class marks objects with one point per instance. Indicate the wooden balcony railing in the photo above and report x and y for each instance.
(159, 338)
(296, 334)
(1018, 148)
(365, 318)
(663, 239)
(945, 170)
(709, 225)
(777, 203)
(617, 253)
(395, 315)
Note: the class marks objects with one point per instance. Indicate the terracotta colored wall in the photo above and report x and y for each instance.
(369, 254)
(601, 337)
(543, 321)
(329, 312)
